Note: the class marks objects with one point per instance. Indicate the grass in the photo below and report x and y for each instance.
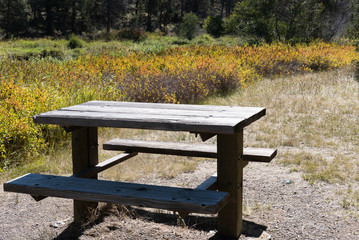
(149, 165)
(153, 43)
(143, 165)
(313, 121)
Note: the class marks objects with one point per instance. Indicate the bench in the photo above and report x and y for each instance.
(170, 198)
(185, 149)
(184, 201)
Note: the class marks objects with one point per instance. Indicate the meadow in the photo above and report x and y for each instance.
(42, 75)
(312, 101)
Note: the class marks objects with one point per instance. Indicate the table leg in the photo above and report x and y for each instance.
(230, 179)
(84, 155)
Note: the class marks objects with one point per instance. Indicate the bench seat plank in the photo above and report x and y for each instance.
(193, 200)
(185, 149)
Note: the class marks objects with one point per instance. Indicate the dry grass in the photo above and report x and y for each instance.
(313, 120)
(143, 165)
(147, 165)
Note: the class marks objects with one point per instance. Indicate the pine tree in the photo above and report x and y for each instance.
(13, 17)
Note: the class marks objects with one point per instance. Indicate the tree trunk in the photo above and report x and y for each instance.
(182, 9)
(49, 19)
(73, 17)
(222, 8)
(8, 19)
(149, 16)
(109, 17)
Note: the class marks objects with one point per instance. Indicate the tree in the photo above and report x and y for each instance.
(214, 25)
(289, 20)
(13, 17)
(106, 13)
(189, 26)
(253, 18)
(353, 29)
(151, 10)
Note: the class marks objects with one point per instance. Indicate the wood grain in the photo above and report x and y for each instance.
(197, 201)
(230, 179)
(105, 165)
(84, 156)
(171, 117)
(185, 149)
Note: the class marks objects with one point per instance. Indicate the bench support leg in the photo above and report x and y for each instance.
(230, 179)
(84, 156)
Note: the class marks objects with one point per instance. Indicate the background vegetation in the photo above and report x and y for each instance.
(259, 20)
(66, 74)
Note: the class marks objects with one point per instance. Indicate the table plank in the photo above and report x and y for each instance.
(171, 117)
(140, 121)
(197, 107)
(160, 112)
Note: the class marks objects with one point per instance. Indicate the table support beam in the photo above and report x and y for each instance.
(84, 156)
(230, 179)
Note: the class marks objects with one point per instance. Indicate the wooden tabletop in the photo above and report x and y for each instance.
(155, 116)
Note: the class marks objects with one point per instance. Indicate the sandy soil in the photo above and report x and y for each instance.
(278, 204)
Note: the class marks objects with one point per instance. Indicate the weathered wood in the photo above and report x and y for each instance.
(230, 179)
(168, 148)
(141, 121)
(185, 149)
(206, 136)
(259, 154)
(171, 117)
(167, 106)
(105, 165)
(152, 110)
(90, 172)
(209, 184)
(84, 156)
(198, 201)
(69, 129)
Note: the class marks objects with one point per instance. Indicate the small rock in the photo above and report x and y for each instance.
(265, 236)
(54, 225)
(58, 224)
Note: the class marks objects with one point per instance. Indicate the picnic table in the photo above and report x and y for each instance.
(220, 193)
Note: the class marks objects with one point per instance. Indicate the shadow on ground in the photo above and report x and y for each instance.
(202, 223)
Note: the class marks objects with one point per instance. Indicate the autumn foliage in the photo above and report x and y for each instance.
(176, 75)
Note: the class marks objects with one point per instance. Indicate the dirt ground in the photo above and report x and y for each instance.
(278, 204)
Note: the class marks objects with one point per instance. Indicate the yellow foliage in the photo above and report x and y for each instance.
(177, 75)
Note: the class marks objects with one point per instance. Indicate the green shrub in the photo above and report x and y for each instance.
(179, 41)
(133, 34)
(54, 53)
(189, 26)
(214, 26)
(203, 39)
(230, 25)
(75, 42)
